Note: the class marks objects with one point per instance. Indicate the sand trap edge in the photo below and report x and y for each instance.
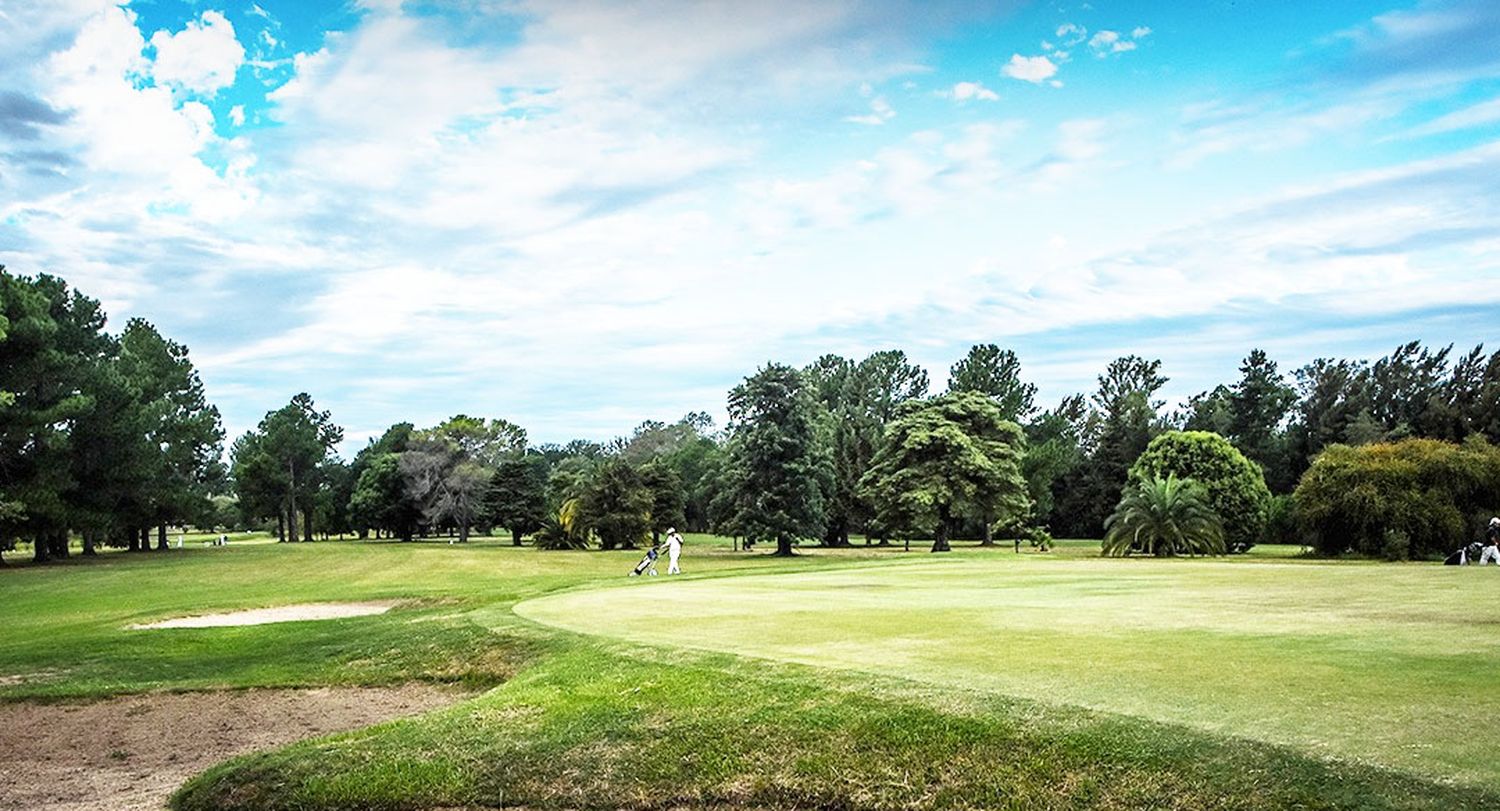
(303, 612)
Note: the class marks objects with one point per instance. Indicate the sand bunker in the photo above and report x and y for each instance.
(283, 613)
(128, 754)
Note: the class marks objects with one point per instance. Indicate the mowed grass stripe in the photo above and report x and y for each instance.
(1393, 665)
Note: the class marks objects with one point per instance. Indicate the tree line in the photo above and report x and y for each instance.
(104, 437)
(844, 447)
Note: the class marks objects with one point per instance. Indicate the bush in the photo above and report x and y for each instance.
(1281, 522)
(1235, 486)
(1164, 517)
(566, 530)
(1435, 496)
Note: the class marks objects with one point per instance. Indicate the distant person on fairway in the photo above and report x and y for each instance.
(1491, 543)
(674, 548)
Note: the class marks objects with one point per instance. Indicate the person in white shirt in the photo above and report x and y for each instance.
(1491, 543)
(674, 548)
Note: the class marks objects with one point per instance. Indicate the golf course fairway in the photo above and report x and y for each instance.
(1390, 665)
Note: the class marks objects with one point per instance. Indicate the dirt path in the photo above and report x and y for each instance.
(129, 754)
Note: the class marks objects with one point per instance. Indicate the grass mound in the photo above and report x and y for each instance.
(596, 726)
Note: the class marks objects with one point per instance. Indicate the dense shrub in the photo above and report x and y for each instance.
(1418, 498)
(1164, 517)
(1235, 486)
(1281, 521)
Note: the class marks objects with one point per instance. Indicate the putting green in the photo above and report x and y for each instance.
(1397, 665)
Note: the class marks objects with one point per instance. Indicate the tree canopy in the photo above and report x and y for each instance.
(945, 457)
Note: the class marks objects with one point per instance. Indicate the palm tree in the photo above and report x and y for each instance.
(1164, 517)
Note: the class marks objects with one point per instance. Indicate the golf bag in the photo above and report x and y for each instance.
(1465, 556)
(648, 563)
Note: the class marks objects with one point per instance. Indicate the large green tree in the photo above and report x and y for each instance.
(286, 451)
(1125, 420)
(1054, 442)
(860, 399)
(1258, 408)
(616, 505)
(363, 519)
(990, 370)
(946, 457)
(668, 501)
(180, 421)
(518, 495)
(1333, 408)
(780, 459)
(1233, 484)
(380, 499)
(54, 337)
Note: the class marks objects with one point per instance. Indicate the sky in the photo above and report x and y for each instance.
(582, 215)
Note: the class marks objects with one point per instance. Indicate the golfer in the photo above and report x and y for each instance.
(674, 548)
(1491, 543)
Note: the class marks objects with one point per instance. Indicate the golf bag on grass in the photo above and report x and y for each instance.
(1465, 555)
(648, 563)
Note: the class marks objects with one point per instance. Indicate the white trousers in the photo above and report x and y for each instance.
(1490, 553)
(672, 563)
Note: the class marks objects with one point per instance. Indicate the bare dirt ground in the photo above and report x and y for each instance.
(264, 616)
(129, 754)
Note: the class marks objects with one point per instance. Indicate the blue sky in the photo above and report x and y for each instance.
(580, 215)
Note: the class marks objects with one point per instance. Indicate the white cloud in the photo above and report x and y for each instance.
(1477, 115)
(1105, 43)
(1140, 32)
(966, 91)
(1071, 34)
(1376, 244)
(1034, 69)
(880, 112)
(201, 58)
(596, 210)
(1213, 129)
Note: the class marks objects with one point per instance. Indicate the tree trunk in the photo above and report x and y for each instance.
(145, 539)
(291, 502)
(280, 527)
(463, 532)
(88, 545)
(406, 533)
(940, 543)
(58, 543)
(307, 525)
(39, 549)
(161, 538)
(515, 537)
(989, 535)
(784, 546)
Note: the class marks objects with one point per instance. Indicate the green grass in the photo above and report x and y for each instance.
(874, 678)
(1392, 664)
(66, 626)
